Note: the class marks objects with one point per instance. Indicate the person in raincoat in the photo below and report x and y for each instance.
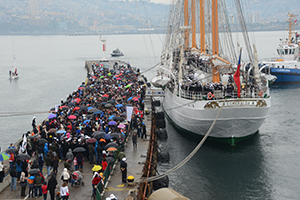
(23, 184)
(70, 157)
(65, 176)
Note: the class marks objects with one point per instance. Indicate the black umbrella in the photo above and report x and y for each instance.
(99, 136)
(23, 156)
(117, 135)
(92, 110)
(108, 105)
(98, 132)
(110, 159)
(83, 108)
(42, 141)
(116, 118)
(79, 149)
(11, 150)
(32, 136)
(111, 101)
(111, 144)
(34, 171)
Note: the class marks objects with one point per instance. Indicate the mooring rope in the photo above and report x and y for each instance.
(149, 179)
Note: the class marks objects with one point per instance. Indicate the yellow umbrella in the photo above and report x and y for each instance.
(96, 168)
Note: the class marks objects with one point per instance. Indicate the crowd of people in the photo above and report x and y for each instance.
(79, 130)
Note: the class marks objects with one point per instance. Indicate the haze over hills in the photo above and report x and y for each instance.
(103, 16)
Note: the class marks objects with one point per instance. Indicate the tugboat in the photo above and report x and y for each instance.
(116, 53)
(286, 67)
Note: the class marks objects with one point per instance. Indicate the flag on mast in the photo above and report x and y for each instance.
(236, 75)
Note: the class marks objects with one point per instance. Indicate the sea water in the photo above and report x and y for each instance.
(51, 67)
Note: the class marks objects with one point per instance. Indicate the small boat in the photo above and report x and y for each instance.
(116, 53)
(286, 67)
(13, 74)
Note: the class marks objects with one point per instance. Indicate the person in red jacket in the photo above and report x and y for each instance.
(104, 163)
(45, 190)
(95, 181)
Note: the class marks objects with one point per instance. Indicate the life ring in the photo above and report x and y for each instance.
(210, 96)
(261, 93)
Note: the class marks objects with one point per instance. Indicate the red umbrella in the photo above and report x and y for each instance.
(105, 95)
(80, 88)
(76, 108)
(63, 107)
(91, 140)
(72, 117)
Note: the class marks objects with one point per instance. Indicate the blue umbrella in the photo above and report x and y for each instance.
(98, 112)
(86, 121)
(119, 105)
(112, 123)
(51, 116)
(89, 108)
(31, 177)
(103, 103)
(107, 137)
(111, 117)
(61, 131)
(129, 98)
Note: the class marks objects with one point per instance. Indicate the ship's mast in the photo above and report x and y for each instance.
(291, 22)
(202, 27)
(193, 12)
(215, 30)
(186, 23)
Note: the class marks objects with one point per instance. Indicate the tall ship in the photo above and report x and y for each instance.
(203, 73)
(286, 67)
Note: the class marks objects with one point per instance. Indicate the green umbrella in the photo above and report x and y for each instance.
(4, 156)
(101, 76)
(109, 74)
(127, 86)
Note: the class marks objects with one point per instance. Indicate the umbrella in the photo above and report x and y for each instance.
(97, 112)
(117, 135)
(64, 108)
(107, 137)
(86, 121)
(116, 118)
(34, 171)
(83, 108)
(111, 117)
(31, 177)
(108, 105)
(42, 141)
(121, 126)
(119, 105)
(118, 79)
(96, 168)
(103, 103)
(4, 156)
(93, 110)
(111, 149)
(51, 116)
(79, 149)
(52, 130)
(52, 109)
(61, 131)
(91, 140)
(110, 159)
(11, 150)
(23, 156)
(89, 108)
(98, 132)
(111, 144)
(112, 123)
(76, 108)
(72, 117)
(32, 136)
(111, 101)
(105, 95)
(129, 98)
(127, 86)
(71, 104)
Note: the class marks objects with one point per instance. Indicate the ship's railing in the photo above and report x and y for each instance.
(223, 94)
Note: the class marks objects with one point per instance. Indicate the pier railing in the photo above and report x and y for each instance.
(149, 170)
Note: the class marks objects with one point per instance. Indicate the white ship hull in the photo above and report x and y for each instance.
(238, 119)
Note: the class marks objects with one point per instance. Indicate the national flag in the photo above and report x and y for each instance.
(236, 75)
(295, 21)
(24, 145)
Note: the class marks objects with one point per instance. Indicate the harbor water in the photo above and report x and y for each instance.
(51, 67)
